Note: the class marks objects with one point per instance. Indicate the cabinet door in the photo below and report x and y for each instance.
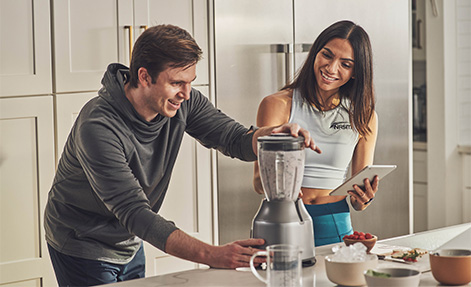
(25, 48)
(420, 207)
(26, 173)
(86, 40)
(187, 203)
(68, 107)
(466, 187)
(190, 15)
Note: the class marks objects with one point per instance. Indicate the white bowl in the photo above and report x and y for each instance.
(349, 273)
(402, 277)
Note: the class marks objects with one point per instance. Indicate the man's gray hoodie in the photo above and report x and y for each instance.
(115, 170)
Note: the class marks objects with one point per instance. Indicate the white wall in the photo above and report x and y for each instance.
(463, 69)
(445, 81)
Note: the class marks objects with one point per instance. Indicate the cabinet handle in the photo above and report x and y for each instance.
(143, 28)
(129, 28)
(419, 22)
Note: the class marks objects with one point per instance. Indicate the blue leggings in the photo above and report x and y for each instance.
(331, 221)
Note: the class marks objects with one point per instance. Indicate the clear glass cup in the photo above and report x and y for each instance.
(284, 266)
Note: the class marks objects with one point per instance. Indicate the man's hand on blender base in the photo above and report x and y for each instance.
(295, 130)
(237, 254)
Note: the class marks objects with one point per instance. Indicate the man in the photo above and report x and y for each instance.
(116, 166)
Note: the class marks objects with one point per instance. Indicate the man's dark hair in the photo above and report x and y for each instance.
(160, 47)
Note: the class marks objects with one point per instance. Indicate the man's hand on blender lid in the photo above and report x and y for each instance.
(295, 130)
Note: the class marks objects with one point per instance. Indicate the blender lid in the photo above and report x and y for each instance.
(281, 141)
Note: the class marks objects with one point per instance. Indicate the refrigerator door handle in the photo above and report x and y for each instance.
(434, 7)
(286, 49)
(302, 48)
(280, 48)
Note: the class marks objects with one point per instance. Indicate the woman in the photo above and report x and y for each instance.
(332, 97)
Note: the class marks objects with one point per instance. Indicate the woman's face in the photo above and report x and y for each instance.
(333, 66)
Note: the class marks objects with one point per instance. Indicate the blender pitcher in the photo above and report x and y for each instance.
(282, 217)
(281, 165)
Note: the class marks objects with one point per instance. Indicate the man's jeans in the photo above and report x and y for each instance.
(73, 271)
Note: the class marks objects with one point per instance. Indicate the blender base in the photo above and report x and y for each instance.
(285, 222)
(309, 262)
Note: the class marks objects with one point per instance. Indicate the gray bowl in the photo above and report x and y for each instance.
(399, 277)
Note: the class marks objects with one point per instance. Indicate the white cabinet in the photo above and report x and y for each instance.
(25, 48)
(26, 174)
(466, 185)
(420, 187)
(68, 107)
(85, 42)
(89, 35)
(190, 15)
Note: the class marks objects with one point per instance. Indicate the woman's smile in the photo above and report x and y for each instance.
(327, 77)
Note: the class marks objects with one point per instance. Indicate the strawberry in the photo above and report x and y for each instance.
(357, 235)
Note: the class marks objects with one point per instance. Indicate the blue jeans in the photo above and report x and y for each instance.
(74, 271)
(331, 221)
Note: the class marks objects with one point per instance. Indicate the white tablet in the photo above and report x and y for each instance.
(368, 172)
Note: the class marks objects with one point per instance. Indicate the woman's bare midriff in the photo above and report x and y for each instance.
(319, 196)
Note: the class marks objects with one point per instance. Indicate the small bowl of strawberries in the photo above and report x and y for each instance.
(366, 239)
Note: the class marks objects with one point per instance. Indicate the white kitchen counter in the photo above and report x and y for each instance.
(458, 236)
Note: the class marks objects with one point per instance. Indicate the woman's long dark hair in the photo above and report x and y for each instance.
(358, 90)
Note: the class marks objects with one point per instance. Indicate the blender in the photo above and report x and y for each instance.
(282, 217)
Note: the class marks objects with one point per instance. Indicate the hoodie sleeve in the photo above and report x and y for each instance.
(214, 129)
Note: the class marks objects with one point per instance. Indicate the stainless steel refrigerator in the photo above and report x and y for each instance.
(259, 44)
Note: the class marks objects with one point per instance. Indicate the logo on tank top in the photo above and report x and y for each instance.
(341, 126)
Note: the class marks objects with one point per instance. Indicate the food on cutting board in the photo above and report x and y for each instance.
(411, 255)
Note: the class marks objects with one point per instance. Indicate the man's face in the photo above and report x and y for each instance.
(171, 88)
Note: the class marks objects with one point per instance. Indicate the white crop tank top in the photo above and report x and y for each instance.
(333, 134)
